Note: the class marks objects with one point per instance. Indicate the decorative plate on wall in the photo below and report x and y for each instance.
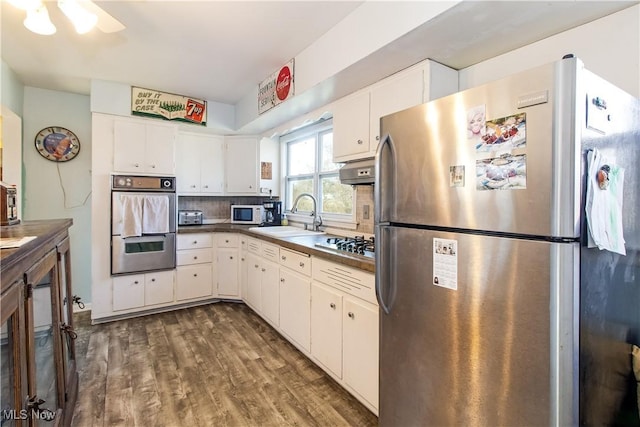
(57, 144)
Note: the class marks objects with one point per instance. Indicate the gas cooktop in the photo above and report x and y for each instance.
(358, 245)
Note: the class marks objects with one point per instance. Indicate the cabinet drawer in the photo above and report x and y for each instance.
(194, 241)
(296, 261)
(228, 240)
(350, 280)
(254, 246)
(194, 256)
(270, 251)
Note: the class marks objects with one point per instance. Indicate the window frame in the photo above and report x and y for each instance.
(316, 131)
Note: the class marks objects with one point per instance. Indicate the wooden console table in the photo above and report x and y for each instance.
(39, 380)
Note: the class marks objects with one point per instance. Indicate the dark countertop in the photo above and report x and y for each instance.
(15, 261)
(305, 244)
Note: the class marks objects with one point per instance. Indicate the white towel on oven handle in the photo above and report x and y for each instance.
(155, 214)
(131, 211)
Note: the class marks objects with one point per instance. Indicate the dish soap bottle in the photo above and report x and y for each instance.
(284, 220)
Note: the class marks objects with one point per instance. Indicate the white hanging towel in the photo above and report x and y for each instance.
(155, 214)
(131, 210)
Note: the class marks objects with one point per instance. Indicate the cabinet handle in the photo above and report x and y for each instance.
(282, 280)
(377, 137)
(230, 257)
(195, 257)
(195, 242)
(153, 280)
(193, 186)
(302, 264)
(153, 166)
(332, 305)
(264, 269)
(226, 241)
(206, 186)
(136, 165)
(351, 315)
(359, 142)
(251, 186)
(256, 266)
(241, 259)
(284, 258)
(195, 274)
(135, 283)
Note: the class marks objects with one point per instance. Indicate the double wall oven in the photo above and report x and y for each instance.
(143, 224)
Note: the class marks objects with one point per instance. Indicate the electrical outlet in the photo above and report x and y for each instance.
(365, 212)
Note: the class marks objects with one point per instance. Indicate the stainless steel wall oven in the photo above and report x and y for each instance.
(143, 224)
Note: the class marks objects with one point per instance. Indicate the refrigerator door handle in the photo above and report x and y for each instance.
(384, 284)
(384, 180)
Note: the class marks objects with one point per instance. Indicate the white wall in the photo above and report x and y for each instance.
(609, 47)
(11, 90)
(46, 183)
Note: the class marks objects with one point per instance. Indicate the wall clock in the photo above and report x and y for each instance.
(57, 144)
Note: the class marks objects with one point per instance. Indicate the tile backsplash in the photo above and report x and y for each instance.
(219, 207)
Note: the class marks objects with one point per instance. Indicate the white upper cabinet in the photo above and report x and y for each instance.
(351, 127)
(143, 147)
(394, 94)
(242, 165)
(356, 118)
(200, 164)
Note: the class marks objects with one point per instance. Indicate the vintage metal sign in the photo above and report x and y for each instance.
(277, 88)
(167, 106)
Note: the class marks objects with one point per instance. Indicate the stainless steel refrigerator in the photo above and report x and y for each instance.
(493, 309)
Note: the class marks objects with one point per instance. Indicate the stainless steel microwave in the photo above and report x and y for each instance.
(247, 214)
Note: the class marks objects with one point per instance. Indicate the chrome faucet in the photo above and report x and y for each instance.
(317, 219)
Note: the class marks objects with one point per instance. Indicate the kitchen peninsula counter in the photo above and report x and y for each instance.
(305, 244)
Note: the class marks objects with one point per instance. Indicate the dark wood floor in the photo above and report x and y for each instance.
(215, 365)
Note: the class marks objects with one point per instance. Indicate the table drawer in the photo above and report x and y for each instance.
(296, 261)
(194, 256)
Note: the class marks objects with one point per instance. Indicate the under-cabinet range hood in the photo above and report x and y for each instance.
(362, 172)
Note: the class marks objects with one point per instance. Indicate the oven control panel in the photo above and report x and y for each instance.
(143, 183)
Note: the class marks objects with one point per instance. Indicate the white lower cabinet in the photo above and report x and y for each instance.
(228, 265)
(194, 259)
(142, 290)
(344, 327)
(328, 310)
(244, 267)
(326, 327)
(360, 348)
(295, 307)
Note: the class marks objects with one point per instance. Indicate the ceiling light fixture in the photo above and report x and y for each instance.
(82, 19)
(38, 20)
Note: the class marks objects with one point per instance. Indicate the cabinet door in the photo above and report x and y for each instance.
(228, 272)
(188, 155)
(242, 159)
(360, 349)
(194, 281)
(212, 165)
(326, 328)
(160, 149)
(128, 292)
(244, 275)
(295, 307)
(129, 140)
(351, 127)
(158, 287)
(254, 275)
(396, 93)
(269, 289)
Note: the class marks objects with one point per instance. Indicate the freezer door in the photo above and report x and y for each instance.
(497, 347)
(434, 171)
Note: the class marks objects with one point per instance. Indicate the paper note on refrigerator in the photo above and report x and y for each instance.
(604, 203)
(445, 263)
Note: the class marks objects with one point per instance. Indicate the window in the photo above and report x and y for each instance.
(310, 169)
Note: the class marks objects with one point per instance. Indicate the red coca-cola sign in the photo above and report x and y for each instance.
(283, 83)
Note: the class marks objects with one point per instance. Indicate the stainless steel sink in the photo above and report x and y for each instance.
(284, 231)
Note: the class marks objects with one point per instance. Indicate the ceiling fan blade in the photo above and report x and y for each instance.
(106, 23)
